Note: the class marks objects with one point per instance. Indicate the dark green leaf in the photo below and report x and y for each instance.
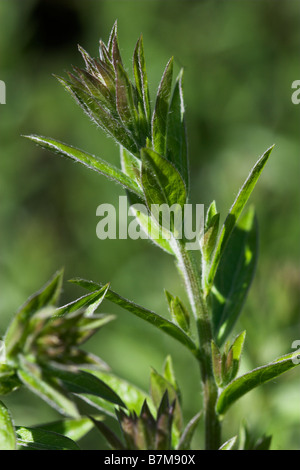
(7, 430)
(109, 435)
(234, 214)
(8, 380)
(176, 139)
(234, 275)
(82, 382)
(40, 439)
(247, 382)
(90, 161)
(163, 188)
(156, 320)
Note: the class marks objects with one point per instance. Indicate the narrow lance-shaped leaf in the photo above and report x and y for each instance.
(234, 214)
(228, 445)
(88, 302)
(82, 382)
(156, 320)
(188, 433)
(178, 311)
(247, 382)
(41, 439)
(47, 296)
(234, 275)
(132, 396)
(141, 80)
(90, 161)
(7, 430)
(160, 114)
(112, 439)
(176, 138)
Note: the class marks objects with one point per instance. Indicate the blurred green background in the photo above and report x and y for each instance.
(240, 59)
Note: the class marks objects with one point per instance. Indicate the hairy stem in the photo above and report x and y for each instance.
(192, 279)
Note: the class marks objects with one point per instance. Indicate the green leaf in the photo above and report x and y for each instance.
(153, 318)
(112, 439)
(132, 396)
(158, 386)
(235, 352)
(228, 445)
(8, 379)
(88, 160)
(105, 118)
(163, 184)
(217, 363)
(41, 439)
(7, 430)
(178, 311)
(88, 302)
(176, 138)
(47, 389)
(234, 275)
(47, 296)
(160, 114)
(209, 238)
(247, 382)
(141, 80)
(82, 382)
(234, 213)
(188, 433)
(74, 429)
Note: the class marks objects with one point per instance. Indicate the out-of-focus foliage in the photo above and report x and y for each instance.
(239, 60)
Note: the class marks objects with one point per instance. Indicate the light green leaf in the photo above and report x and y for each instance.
(163, 184)
(88, 160)
(88, 302)
(247, 382)
(74, 429)
(188, 433)
(234, 275)
(160, 114)
(41, 439)
(228, 445)
(234, 213)
(178, 311)
(47, 296)
(47, 389)
(156, 320)
(176, 138)
(7, 430)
